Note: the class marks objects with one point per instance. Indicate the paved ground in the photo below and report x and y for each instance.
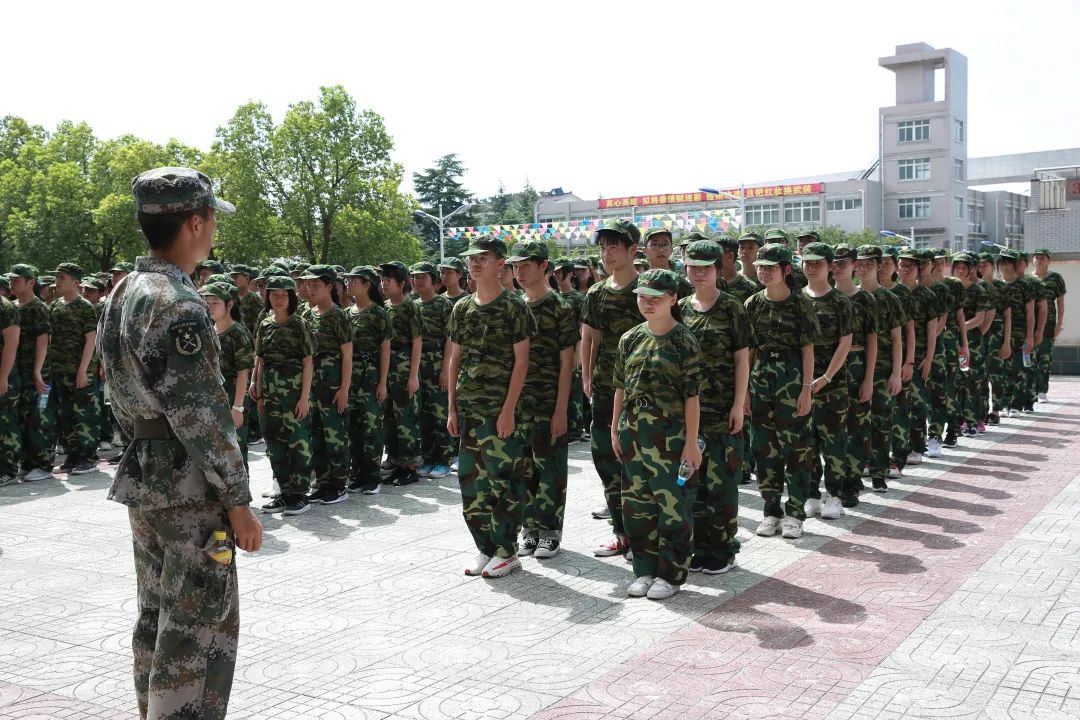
(955, 595)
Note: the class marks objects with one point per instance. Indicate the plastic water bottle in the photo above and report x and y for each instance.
(1027, 359)
(686, 470)
(43, 398)
(965, 364)
(220, 550)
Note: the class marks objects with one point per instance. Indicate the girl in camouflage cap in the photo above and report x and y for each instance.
(371, 365)
(237, 357)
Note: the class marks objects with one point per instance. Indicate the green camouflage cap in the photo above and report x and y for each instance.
(702, 253)
(219, 278)
(453, 263)
(809, 234)
(219, 290)
(47, 280)
(1008, 255)
(963, 257)
(756, 237)
(325, 273)
(280, 282)
(23, 270)
(776, 235)
(246, 270)
(640, 256)
(212, 265)
(124, 267)
(773, 254)
(425, 268)
(818, 251)
(1042, 251)
(396, 270)
(620, 227)
(939, 253)
(367, 272)
(986, 257)
(843, 251)
(691, 237)
(299, 267)
(657, 231)
(563, 263)
(869, 252)
(339, 269)
(168, 190)
(273, 270)
(71, 269)
(528, 250)
(582, 262)
(910, 254)
(727, 244)
(890, 251)
(1022, 255)
(486, 243)
(93, 284)
(656, 283)
(4, 282)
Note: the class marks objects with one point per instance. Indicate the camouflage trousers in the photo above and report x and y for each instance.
(995, 370)
(491, 473)
(400, 422)
(829, 416)
(10, 434)
(329, 428)
(882, 406)
(365, 422)
(781, 441)
(607, 465)
(657, 512)
(972, 384)
(900, 434)
(254, 419)
(185, 638)
(1019, 390)
(716, 502)
(78, 417)
(288, 439)
(434, 437)
(105, 424)
(546, 469)
(942, 384)
(857, 455)
(1043, 355)
(38, 426)
(577, 417)
(917, 413)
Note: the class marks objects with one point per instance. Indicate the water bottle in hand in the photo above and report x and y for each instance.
(686, 470)
(43, 398)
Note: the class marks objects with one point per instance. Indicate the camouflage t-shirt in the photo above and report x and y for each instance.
(576, 300)
(741, 287)
(974, 300)
(487, 335)
(556, 330)
(70, 322)
(251, 307)
(781, 325)
(457, 298)
(927, 307)
(890, 315)
(1002, 294)
(721, 330)
(1053, 287)
(33, 322)
(612, 312)
(955, 297)
(434, 315)
(371, 328)
(9, 316)
(331, 330)
(237, 354)
(1018, 293)
(286, 343)
(405, 322)
(865, 321)
(799, 276)
(836, 318)
(662, 370)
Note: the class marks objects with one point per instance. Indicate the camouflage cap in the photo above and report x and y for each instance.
(869, 252)
(620, 227)
(124, 267)
(299, 267)
(395, 270)
(702, 253)
(563, 263)
(212, 265)
(963, 257)
(280, 282)
(910, 253)
(528, 250)
(326, 273)
(656, 283)
(93, 284)
(843, 251)
(1008, 255)
(23, 270)
(485, 243)
(727, 243)
(47, 280)
(640, 256)
(4, 282)
(986, 257)
(691, 237)
(812, 234)
(453, 263)
(939, 253)
(774, 254)
(219, 278)
(71, 269)
(1042, 251)
(221, 291)
(582, 262)
(367, 272)
(776, 235)
(272, 270)
(168, 190)
(890, 251)
(818, 251)
(425, 268)
(1022, 255)
(339, 269)
(656, 231)
(755, 237)
(246, 270)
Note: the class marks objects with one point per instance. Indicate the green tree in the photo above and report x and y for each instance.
(441, 186)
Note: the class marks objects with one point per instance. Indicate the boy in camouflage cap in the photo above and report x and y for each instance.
(452, 274)
(1053, 292)
(435, 311)
(565, 271)
(658, 246)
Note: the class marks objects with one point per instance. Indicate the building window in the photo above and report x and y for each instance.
(917, 208)
(845, 204)
(922, 242)
(763, 214)
(958, 170)
(958, 207)
(958, 130)
(802, 212)
(976, 213)
(913, 131)
(917, 169)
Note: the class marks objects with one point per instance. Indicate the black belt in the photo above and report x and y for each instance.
(857, 348)
(284, 366)
(434, 346)
(363, 357)
(639, 404)
(153, 429)
(770, 355)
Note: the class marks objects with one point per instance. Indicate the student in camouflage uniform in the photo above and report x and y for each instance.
(1053, 286)
(579, 416)
(330, 385)
(489, 357)
(371, 365)
(47, 288)
(749, 245)
(36, 425)
(1041, 306)
(1018, 333)
(284, 347)
(95, 289)
(974, 304)
(434, 315)
(452, 275)
(658, 248)
(400, 422)
(900, 436)
(924, 312)
(731, 280)
(183, 477)
(610, 310)
(718, 321)
(836, 319)
(655, 425)
(237, 356)
(250, 302)
(545, 400)
(10, 437)
(861, 362)
(783, 329)
(887, 371)
(73, 366)
(993, 323)
(944, 418)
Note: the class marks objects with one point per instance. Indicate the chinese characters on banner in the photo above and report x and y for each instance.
(769, 191)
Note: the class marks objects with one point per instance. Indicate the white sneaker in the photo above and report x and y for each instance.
(1042, 397)
(38, 474)
(454, 465)
(914, 458)
(478, 565)
(895, 471)
(640, 586)
(500, 567)
(866, 471)
(1013, 412)
(933, 448)
(769, 526)
(831, 508)
(812, 507)
(6, 480)
(792, 528)
(661, 590)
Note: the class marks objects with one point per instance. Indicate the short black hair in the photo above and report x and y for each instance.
(160, 230)
(294, 302)
(624, 240)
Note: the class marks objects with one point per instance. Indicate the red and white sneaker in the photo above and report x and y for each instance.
(980, 427)
(498, 567)
(478, 565)
(618, 545)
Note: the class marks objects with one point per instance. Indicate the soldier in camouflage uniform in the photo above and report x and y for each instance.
(658, 248)
(1041, 306)
(831, 400)
(993, 323)
(783, 329)
(579, 418)
(544, 403)
(73, 367)
(974, 304)
(434, 315)
(718, 321)
(37, 423)
(731, 280)
(944, 417)
(1053, 286)
(401, 423)
(924, 312)
(452, 274)
(183, 477)
(371, 365)
(1018, 333)
(205, 269)
(900, 436)
(284, 367)
(489, 335)
(47, 288)
(610, 310)
(657, 378)
(250, 302)
(237, 357)
(10, 437)
(330, 385)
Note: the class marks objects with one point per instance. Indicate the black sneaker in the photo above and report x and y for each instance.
(82, 468)
(333, 497)
(1027, 409)
(404, 476)
(67, 466)
(849, 500)
(970, 430)
(315, 497)
(296, 505)
(528, 546)
(719, 565)
(356, 485)
(949, 441)
(994, 419)
(745, 479)
(697, 562)
(276, 505)
(371, 489)
(880, 485)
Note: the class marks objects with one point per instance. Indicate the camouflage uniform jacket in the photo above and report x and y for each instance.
(331, 330)
(33, 322)
(237, 354)
(70, 322)
(974, 300)
(251, 308)
(556, 330)
(836, 318)
(663, 371)
(1017, 294)
(1053, 287)
(890, 315)
(784, 326)
(371, 327)
(721, 331)
(741, 287)
(161, 360)
(8, 316)
(576, 300)
(406, 323)
(612, 312)
(284, 344)
(865, 321)
(434, 315)
(457, 298)
(926, 307)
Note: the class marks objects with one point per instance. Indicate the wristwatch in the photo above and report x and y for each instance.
(238, 408)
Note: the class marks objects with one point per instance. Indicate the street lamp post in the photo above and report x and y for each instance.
(741, 198)
(441, 222)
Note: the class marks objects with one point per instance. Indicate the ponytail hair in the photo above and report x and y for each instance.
(334, 296)
(789, 277)
(234, 312)
(374, 292)
(676, 311)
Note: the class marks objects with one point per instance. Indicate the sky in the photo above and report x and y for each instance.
(601, 98)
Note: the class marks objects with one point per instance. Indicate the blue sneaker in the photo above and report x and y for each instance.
(424, 470)
(439, 471)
